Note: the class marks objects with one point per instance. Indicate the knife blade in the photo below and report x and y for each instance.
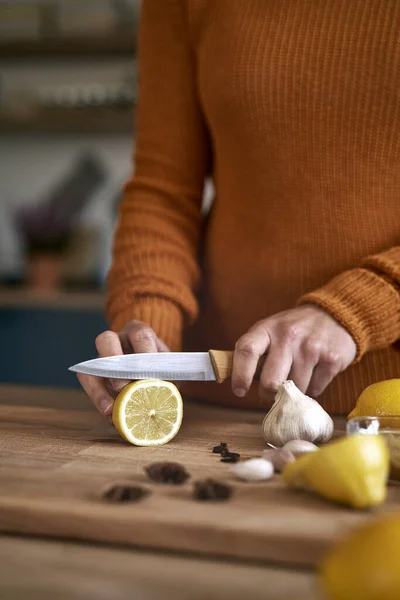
(215, 365)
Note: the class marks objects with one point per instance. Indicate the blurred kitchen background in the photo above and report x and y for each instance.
(68, 84)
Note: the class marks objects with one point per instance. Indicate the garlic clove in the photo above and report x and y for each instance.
(254, 469)
(295, 416)
(279, 457)
(300, 447)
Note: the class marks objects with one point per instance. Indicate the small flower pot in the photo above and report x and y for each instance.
(44, 273)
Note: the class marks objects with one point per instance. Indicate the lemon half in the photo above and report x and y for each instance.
(148, 413)
(351, 471)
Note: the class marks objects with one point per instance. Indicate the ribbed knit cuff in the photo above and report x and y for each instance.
(363, 303)
(163, 316)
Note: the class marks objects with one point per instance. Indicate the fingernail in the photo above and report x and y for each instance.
(240, 392)
(105, 406)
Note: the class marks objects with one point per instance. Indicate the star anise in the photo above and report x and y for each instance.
(167, 472)
(125, 493)
(218, 449)
(229, 457)
(209, 489)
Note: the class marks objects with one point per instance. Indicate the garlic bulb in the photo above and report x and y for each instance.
(255, 469)
(295, 416)
(299, 447)
(280, 457)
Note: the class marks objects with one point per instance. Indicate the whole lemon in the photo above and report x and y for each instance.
(378, 399)
(365, 565)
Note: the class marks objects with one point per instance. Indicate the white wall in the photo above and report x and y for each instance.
(30, 164)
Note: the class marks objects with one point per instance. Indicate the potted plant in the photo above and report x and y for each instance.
(47, 226)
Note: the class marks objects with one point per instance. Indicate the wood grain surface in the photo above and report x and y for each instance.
(55, 465)
(40, 569)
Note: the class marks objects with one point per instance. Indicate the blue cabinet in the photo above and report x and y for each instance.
(38, 344)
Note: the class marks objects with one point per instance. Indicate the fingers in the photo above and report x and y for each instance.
(136, 337)
(304, 363)
(129, 338)
(141, 337)
(248, 350)
(161, 347)
(329, 366)
(304, 344)
(276, 369)
(108, 343)
(97, 392)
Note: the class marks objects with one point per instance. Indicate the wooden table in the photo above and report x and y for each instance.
(37, 567)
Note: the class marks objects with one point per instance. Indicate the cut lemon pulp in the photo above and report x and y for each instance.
(148, 413)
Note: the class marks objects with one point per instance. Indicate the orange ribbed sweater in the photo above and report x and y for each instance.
(294, 108)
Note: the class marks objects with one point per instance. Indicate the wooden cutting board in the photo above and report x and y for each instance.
(56, 463)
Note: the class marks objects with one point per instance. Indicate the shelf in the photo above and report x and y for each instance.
(70, 121)
(22, 298)
(56, 47)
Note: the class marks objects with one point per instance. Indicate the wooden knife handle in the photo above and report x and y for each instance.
(222, 361)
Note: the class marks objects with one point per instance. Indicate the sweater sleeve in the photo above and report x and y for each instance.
(155, 272)
(365, 300)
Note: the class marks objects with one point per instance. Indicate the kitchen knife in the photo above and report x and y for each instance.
(215, 365)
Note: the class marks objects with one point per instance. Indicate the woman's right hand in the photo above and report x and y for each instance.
(135, 337)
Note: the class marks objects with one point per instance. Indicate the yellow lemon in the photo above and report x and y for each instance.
(378, 399)
(148, 413)
(366, 564)
(350, 471)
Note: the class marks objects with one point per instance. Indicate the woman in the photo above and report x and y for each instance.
(294, 108)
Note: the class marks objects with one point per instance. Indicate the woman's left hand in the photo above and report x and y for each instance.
(305, 344)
